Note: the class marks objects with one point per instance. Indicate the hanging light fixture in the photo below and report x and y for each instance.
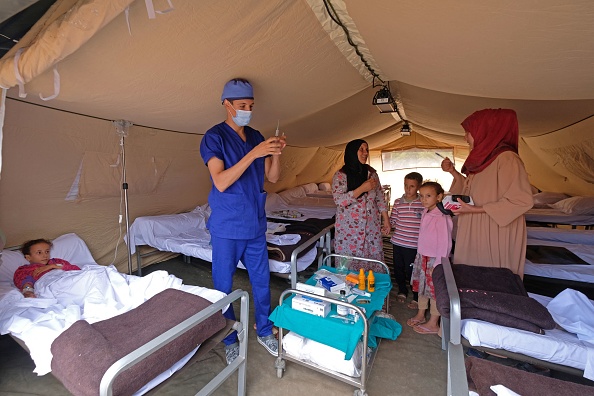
(384, 100)
(406, 129)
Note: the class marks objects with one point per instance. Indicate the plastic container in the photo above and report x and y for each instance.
(342, 310)
(361, 279)
(370, 282)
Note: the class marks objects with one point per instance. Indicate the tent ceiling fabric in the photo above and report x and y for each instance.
(445, 60)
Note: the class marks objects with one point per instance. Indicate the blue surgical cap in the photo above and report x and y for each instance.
(236, 89)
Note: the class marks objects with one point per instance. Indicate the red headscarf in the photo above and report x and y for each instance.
(494, 131)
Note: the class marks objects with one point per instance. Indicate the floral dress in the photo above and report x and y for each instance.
(358, 223)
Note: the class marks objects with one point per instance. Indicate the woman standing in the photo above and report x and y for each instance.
(362, 213)
(492, 233)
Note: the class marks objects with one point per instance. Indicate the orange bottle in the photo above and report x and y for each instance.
(370, 282)
(361, 279)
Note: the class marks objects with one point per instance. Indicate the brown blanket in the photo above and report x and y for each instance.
(84, 352)
(482, 374)
(307, 229)
(495, 295)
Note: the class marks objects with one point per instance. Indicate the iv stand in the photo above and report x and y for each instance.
(122, 127)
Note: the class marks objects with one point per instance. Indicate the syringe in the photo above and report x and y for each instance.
(277, 125)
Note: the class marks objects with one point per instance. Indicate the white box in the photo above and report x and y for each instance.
(331, 283)
(311, 306)
(320, 291)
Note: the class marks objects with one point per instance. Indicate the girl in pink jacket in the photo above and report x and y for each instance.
(435, 243)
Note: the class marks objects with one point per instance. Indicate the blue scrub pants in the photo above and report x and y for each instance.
(254, 255)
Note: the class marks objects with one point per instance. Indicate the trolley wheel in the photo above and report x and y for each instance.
(279, 373)
(359, 392)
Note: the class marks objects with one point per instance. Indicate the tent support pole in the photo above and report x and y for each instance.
(125, 188)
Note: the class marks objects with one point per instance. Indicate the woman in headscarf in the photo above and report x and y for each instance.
(362, 213)
(492, 233)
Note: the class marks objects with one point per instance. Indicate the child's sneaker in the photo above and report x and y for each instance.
(270, 343)
(231, 352)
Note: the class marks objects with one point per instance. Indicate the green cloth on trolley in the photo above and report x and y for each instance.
(330, 331)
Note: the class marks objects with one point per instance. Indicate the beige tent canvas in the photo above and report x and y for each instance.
(107, 60)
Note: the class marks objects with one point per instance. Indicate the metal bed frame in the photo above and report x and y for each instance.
(324, 248)
(238, 364)
(367, 361)
(453, 343)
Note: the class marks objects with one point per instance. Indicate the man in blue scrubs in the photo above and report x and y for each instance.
(238, 157)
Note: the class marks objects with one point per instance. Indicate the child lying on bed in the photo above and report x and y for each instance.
(37, 253)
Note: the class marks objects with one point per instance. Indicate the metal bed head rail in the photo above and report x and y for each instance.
(239, 364)
(451, 340)
(324, 238)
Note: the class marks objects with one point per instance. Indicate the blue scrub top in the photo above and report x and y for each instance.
(237, 213)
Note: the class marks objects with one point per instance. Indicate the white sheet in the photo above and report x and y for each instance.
(577, 272)
(318, 208)
(554, 216)
(580, 237)
(556, 346)
(313, 352)
(95, 293)
(186, 233)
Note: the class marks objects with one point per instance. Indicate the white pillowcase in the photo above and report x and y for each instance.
(310, 188)
(576, 206)
(543, 199)
(295, 192)
(68, 247)
(324, 187)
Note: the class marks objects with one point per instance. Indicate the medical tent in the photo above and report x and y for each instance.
(315, 66)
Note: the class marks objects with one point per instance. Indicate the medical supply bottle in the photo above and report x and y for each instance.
(342, 310)
(361, 279)
(370, 282)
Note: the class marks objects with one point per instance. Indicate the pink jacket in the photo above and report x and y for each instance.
(435, 234)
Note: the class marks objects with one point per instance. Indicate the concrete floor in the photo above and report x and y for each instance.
(413, 364)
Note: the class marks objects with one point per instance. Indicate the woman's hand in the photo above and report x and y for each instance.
(369, 184)
(447, 165)
(466, 208)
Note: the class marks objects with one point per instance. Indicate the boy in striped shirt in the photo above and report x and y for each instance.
(406, 220)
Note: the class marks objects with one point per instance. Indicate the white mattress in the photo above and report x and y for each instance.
(309, 207)
(554, 216)
(556, 346)
(186, 233)
(577, 272)
(580, 237)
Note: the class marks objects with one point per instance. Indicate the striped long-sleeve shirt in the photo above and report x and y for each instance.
(406, 221)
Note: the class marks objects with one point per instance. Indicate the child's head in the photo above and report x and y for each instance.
(412, 181)
(37, 251)
(431, 193)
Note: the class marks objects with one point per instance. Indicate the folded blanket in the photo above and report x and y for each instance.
(482, 374)
(306, 229)
(83, 353)
(495, 295)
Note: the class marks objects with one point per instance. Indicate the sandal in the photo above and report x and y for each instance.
(424, 330)
(401, 298)
(413, 305)
(412, 322)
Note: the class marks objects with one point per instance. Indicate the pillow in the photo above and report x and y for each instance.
(543, 199)
(324, 187)
(68, 247)
(310, 188)
(576, 206)
(295, 192)
(10, 260)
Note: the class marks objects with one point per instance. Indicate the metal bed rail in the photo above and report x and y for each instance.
(239, 364)
(457, 384)
(367, 361)
(324, 238)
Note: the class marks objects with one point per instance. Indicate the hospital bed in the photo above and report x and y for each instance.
(553, 217)
(99, 296)
(559, 258)
(186, 233)
(556, 349)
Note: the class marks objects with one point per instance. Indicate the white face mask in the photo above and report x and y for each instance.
(242, 118)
